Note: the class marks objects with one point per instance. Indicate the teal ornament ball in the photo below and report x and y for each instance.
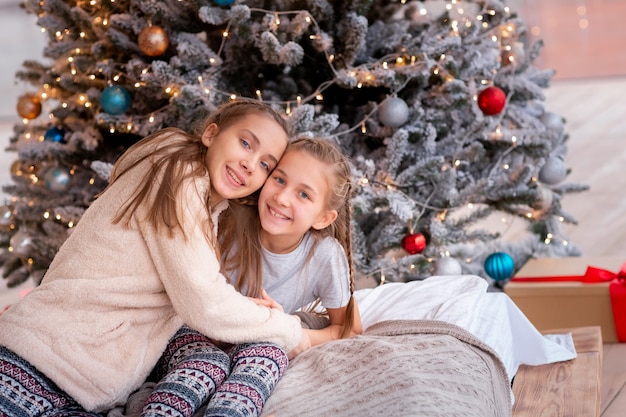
(223, 2)
(55, 134)
(57, 179)
(499, 266)
(115, 99)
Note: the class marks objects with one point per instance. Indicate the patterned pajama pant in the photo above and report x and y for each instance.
(236, 382)
(26, 392)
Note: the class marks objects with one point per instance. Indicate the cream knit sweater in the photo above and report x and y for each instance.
(113, 297)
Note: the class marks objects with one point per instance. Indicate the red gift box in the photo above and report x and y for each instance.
(570, 292)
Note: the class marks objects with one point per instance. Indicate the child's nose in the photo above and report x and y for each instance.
(281, 198)
(247, 166)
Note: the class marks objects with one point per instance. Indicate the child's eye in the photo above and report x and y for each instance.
(265, 166)
(280, 180)
(303, 194)
(245, 143)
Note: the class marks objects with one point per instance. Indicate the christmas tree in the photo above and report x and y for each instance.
(437, 103)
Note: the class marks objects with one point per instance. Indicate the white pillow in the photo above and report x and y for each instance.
(464, 301)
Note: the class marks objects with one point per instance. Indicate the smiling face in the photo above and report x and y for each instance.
(241, 155)
(293, 200)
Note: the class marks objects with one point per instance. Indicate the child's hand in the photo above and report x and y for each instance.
(260, 302)
(267, 301)
(271, 301)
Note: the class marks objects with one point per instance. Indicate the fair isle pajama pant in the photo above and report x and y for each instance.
(26, 392)
(236, 382)
(192, 370)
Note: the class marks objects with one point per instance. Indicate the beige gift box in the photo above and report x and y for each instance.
(553, 305)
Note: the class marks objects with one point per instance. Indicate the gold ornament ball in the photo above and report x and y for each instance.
(24, 169)
(16, 168)
(29, 106)
(153, 41)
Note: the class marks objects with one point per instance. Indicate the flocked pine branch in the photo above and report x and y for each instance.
(398, 85)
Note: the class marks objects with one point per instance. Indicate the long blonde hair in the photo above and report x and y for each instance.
(170, 160)
(240, 228)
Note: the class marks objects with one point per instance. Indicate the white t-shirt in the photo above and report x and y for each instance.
(294, 282)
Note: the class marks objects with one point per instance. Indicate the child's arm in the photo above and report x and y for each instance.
(333, 332)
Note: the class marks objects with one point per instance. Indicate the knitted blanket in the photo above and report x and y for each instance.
(400, 368)
(396, 368)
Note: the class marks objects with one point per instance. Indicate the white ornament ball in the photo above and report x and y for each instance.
(393, 112)
(447, 266)
(21, 242)
(553, 171)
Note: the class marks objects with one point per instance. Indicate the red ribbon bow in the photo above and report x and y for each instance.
(593, 274)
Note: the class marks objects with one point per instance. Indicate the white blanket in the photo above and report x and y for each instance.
(465, 302)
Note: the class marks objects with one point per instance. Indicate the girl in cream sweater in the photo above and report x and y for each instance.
(141, 262)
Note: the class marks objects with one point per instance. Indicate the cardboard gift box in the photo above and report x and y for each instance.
(573, 292)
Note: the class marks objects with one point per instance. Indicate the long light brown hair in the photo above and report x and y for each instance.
(240, 228)
(170, 161)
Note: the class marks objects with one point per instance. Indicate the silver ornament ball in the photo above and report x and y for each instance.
(553, 171)
(58, 179)
(21, 242)
(447, 266)
(553, 121)
(546, 197)
(6, 216)
(393, 112)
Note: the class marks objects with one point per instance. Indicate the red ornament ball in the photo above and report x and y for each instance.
(414, 243)
(29, 106)
(153, 41)
(491, 100)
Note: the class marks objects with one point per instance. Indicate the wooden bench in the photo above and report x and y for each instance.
(570, 388)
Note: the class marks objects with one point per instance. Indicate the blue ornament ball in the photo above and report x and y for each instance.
(55, 134)
(499, 266)
(115, 99)
(57, 179)
(223, 2)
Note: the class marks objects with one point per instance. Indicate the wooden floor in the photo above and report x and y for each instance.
(614, 380)
(583, 43)
(570, 388)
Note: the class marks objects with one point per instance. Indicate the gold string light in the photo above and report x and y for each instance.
(400, 61)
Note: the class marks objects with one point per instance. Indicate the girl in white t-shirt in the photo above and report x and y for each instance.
(298, 249)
